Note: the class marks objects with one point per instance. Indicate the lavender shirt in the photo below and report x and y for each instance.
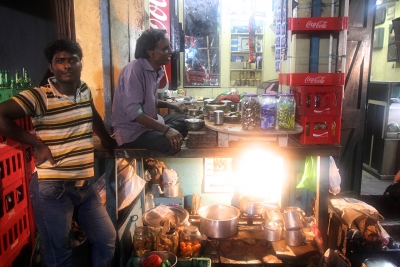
(136, 93)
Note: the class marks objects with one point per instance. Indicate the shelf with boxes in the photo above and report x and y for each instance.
(246, 53)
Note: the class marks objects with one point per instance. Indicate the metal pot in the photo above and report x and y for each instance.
(294, 237)
(293, 217)
(179, 216)
(194, 124)
(272, 231)
(169, 190)
(219, 221)
(251, 205)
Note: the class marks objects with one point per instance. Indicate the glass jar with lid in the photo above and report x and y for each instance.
(286, 111)
(168, 241)
(142, 241)
(250, 112)
(190, 242)
(268, 111)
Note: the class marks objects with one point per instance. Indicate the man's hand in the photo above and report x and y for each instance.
(175, 138)
(43, 153)
(179, 107)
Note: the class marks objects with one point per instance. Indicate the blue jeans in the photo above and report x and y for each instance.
(53, 207)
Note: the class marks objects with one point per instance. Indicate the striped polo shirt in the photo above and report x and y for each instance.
(64, 124)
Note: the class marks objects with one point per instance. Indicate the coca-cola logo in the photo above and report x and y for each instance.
(318, 79)
(158, 14)
(317, 24)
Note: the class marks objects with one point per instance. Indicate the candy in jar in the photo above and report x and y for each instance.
(286, 111)
(250, 112)
(268, 111)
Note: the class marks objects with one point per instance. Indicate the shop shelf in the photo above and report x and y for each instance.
(299, 79)
(11, 166)
(319, 130)
(13, 200)
(14, 236)
(317, 24)
(318, 100)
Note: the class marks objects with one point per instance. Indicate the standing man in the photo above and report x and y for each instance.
(64, 118)
(135, 121)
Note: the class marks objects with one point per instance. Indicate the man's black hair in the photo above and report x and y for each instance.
(60, 45)
(148, 41)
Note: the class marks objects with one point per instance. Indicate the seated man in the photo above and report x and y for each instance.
(135, 121)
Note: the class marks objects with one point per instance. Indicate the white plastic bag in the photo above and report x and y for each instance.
(334, 177)
(129, 186)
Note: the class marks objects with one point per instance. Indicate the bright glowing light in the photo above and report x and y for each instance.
(261, 172)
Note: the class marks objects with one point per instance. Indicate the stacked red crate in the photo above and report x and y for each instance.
(16, 217)
(318, 111)
(14, 236)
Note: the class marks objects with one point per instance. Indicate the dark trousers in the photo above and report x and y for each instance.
(155, 140)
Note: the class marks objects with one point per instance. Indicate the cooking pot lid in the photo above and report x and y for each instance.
(177, 215)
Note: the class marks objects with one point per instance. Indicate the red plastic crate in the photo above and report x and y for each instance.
(11, 166)
(318, 100)
(298, 79)
(13, 237)
(7, 142)
(319, 130)
(26, 124)
(317, 24)
(29, 160)
(13, 200)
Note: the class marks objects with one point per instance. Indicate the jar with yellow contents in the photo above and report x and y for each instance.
(190, 242)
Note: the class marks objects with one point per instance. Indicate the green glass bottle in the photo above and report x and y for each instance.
(1, 79)
(27, 80)
(17, 80)
(7, 79)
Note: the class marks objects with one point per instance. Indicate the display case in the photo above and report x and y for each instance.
(382, 133)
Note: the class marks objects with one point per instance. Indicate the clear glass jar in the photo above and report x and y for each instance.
(190, 242)
(268, 111)
(286, 111)
(168, 242)
(250, 112)
(142, 241)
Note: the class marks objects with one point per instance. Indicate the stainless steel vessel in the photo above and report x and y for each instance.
(219, 221)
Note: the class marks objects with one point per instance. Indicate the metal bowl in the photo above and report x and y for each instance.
(194, 124)
(164, 255)
(231, 119)
(194, 112)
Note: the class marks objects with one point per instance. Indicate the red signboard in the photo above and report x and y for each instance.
(298, 25)
(160, 19)
(311, 79)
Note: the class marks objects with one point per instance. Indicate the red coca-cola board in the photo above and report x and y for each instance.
(162, 14)
(298, 25)
(298, 79)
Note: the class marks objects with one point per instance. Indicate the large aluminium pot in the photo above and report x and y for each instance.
(219, 221)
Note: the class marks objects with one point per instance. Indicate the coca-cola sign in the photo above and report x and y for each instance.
(322, 24)
(315, 80)
(160, 19)
(159, 14)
